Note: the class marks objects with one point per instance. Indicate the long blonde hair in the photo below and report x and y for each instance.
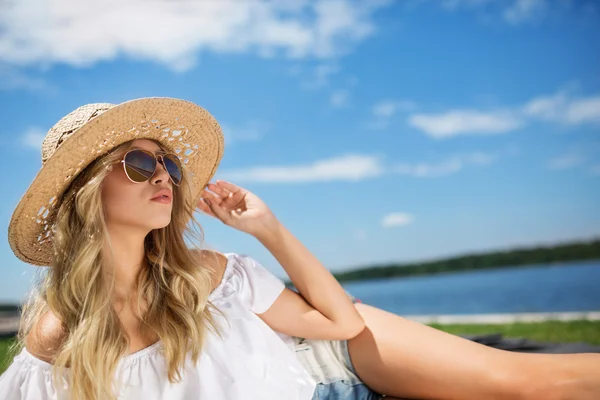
(172, 283)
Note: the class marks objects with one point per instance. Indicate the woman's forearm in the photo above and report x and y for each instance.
(314, 282)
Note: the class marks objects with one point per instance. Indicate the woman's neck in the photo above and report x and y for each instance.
(125, 257)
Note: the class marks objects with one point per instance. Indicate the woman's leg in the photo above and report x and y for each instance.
(403, 358)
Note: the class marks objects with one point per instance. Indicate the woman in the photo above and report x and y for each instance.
(128, 310)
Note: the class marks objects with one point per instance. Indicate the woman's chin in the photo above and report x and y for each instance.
(158, 223)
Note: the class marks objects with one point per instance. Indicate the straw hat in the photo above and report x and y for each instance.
(93, 130)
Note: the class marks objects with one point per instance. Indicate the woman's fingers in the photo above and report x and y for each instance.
(224, 197)
(219, 190)
(205, 208)
(231, 199)
(219, 206)
(219, 211)
(212, 196)
(229, 186)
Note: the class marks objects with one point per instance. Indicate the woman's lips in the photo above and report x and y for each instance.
(162, 200)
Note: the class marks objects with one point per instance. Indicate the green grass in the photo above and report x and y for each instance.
(4, 359)
(550, 331)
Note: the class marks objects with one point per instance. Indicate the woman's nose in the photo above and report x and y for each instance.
(160, 174)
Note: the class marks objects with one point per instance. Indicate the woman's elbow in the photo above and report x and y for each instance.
(353, 329)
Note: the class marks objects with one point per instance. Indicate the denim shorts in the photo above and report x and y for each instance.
(328, 361)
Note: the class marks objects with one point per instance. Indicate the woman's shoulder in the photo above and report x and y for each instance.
(216, 261)
(45, 337)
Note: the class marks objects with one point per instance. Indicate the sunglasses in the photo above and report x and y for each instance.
(140, 165)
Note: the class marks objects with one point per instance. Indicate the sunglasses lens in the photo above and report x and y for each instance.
(139, 165)
(173, 166)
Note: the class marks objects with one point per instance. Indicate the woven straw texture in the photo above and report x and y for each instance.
(90, 132)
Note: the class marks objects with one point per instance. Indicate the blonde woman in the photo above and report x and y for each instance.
(128, 309)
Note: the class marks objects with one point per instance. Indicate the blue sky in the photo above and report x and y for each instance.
(377, 131)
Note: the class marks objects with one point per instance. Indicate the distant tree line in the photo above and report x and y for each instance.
(499, 259)
(7, 308)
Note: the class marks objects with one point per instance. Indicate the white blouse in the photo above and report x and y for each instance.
(252, 361)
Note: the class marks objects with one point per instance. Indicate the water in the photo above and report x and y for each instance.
(569, 286)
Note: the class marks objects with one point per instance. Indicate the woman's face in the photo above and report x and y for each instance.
(128, 204)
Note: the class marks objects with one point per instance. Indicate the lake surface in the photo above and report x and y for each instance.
(569, 286)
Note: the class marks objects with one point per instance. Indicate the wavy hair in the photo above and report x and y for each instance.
(174, 282)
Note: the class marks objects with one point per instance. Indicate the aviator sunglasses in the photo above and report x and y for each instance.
(140, 165)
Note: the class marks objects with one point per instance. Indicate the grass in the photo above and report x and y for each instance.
(550, 331)
(4, 359)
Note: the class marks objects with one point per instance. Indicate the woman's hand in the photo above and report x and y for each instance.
(238, 208)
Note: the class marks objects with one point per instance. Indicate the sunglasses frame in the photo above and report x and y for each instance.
(158, 157)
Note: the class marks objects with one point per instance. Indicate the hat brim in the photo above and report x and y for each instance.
(181, 126)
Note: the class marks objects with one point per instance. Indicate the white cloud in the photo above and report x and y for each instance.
(523, 10)
(464, 122)
(583, 110)
(13, 79)
(560, 107)
(479, 158)
(81, 33)
(577, 154)
(350, 167)
(320, 76)
(33, 138)
(353, 167)
(396, 219)
(513, 12)
(546, 107)
(425, 170)
(251, 131)
(384, 110)
(388, 108)
(339, 98)
(445, 167)
(566, 161)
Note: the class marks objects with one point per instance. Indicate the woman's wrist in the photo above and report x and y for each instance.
(271, 234)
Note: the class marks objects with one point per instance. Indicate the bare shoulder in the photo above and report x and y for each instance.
(216, 261)
(45, 337)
